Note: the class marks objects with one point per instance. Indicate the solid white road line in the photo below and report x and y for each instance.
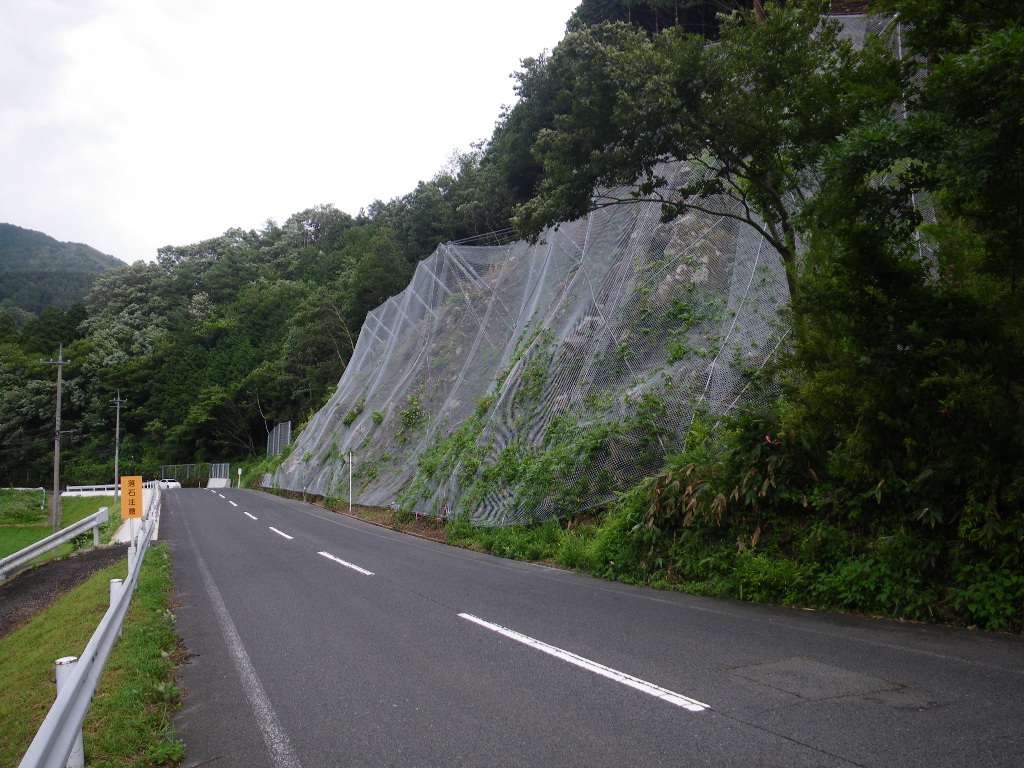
(252, 516)
(329, 556)
(232, 504)
(274, 737)
(620, 677)
(281, 533)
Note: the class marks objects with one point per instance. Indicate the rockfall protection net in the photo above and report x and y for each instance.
(515, 382)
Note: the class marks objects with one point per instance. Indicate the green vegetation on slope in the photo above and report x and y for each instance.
(901, 420)
(130, 715)
(22, 522)
(888, 476)
(900, 415)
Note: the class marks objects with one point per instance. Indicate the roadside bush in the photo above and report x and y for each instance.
(460, 530)
(521, 542)
(616, 549)
(990, 598)
(769, 578)
(577, 549)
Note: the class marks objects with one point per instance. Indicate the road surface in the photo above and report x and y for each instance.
(320, 640)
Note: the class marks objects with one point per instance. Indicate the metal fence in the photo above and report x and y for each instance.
(200, 471)
(185, 471)
(279, 438)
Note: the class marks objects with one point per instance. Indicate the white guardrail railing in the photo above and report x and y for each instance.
(54, 540)
(42, 504)
(82, 490)
(61, 731)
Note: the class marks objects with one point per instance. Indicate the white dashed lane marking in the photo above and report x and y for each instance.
(329, 556)
(592, 666)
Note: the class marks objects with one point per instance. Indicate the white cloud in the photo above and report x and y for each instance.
(132, 124)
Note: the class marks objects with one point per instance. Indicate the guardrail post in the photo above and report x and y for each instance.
(131, 543)
(102, 516)
(65, 666)
(115, 588)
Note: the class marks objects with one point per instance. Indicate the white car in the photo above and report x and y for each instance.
(169, 484)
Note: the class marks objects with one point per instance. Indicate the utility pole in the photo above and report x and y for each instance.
(55, 514)
(117, 403)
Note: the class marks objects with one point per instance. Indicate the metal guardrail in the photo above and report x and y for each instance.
(72, 489)
(54, 540)
(59, 732)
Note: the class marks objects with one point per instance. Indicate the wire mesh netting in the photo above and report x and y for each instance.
(278, 438)
(517, 382)
(511, 383)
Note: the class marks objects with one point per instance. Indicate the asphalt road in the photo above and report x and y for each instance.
(320, 640)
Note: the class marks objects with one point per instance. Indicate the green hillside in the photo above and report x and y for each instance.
(885, 475)
(39, 271)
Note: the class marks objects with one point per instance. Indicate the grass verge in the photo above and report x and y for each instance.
(23, 523)
(131, 713)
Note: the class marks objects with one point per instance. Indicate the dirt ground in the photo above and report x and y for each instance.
(37, 588)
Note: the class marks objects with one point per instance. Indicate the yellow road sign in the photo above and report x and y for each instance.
(131, 497)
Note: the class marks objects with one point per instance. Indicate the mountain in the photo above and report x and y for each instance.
(37, 271)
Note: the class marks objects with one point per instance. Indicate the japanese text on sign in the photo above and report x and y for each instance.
(131, 497)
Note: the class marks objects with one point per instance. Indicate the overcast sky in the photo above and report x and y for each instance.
(133, 124)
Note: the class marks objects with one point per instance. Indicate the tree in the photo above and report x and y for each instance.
(53, 327)
(8, 329)
(379, 274)
(700, 16)
(751, 118)
(970, 126)
(937, 28)
(322, 225)
(317, 348)
(908, 336)
(509, 150)
(129, 308)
